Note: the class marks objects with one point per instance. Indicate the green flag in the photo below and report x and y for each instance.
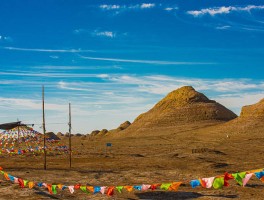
(84, 189)
(239, 177)
(218, 183)
(119, 188)
(25, 182)
(165, 186)
(53, 187)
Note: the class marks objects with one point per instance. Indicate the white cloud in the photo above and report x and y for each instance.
(163, 84)
(237, 101)
(115, 7)
(223, 27)
(147, 5)
(54, 57)
(110, 7)
(106, 102)
(103, 75)
(109, 34)
(48, 50)
(157, 62)
(223, 10)
(122, 90)
(210, 11)
(25, 104)
(50, 75)
(171, 8)
(5, 38)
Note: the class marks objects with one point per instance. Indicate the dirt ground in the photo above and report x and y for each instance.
(165, 155)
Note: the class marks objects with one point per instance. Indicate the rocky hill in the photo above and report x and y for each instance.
(253, 111)
(105, 132)
(184, 105)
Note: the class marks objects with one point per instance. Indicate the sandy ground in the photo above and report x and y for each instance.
(165, 157)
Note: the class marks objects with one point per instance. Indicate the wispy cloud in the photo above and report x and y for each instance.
(116, 7)
(5, 38)
(58, 67)
(164, 84)
(120, 89)
(110, 7)
(147, 5)
(237, 101)
(224, 10)
(171, 8)
(24, 104)
(50, 74)
(223, 27)
(48, 50)
(156, 62)
(54, 57)
(108, 34)
(110, 96)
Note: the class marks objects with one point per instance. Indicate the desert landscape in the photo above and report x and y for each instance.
(143, 99)
(185, 136)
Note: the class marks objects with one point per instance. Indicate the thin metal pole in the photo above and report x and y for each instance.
(18, 132)
(70, 135)
(44, 129)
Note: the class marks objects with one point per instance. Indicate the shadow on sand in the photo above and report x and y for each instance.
(179, 195)
(44, 194)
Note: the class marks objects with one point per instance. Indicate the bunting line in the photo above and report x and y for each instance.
(217, 182)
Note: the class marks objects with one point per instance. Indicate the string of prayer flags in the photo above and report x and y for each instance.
(246, 179)
(97, 189)
(119, 188)
(165, 186)
(53, 188)
(239, 177)
(21, 183)
(260, 175)
(202, 183)
(128, 188)
(49, 186)
(102, 189)
(71, 188)
(138, 187)
(84, 189)
(208, 182)
(110, 191)
(195, 183)
(227, 177)
(145, 187)
(90, 188)
(31, 185)
(154, 186)
(216, 182)
(175, 185)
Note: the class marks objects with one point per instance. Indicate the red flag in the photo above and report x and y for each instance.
(110, 191)
(21, 183)
(77, 186)
(226, 178)
(154, 186)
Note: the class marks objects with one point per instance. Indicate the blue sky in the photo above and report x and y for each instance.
(115, 59)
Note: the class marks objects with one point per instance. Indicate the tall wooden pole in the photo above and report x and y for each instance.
(44, 129)
(70, 135)
(18, 133)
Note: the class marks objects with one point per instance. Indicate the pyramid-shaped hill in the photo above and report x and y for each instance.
(182, 106)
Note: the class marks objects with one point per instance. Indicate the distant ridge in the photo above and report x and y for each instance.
(253, 111)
